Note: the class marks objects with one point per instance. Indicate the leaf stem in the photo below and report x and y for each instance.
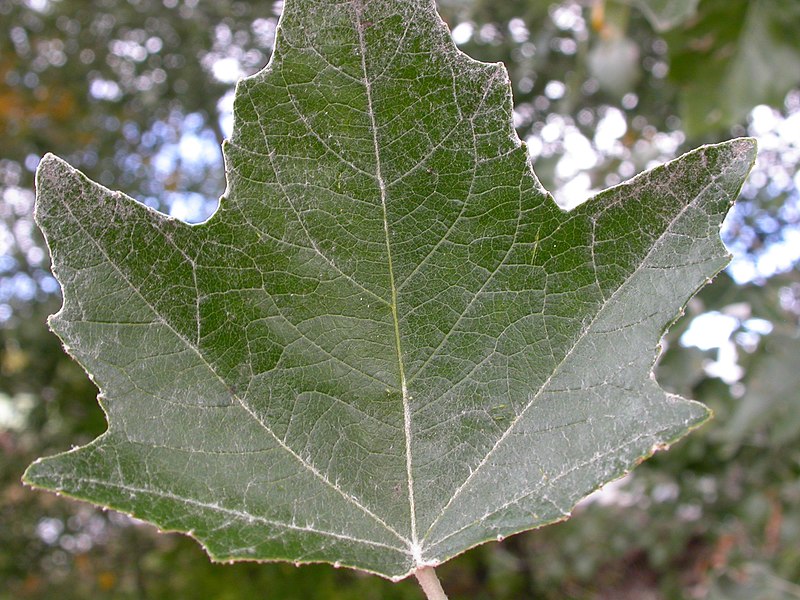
(430, 584)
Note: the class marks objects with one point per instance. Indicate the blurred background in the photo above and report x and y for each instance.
(138, 93)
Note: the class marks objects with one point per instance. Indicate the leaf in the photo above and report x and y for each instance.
(769, 405)
(388, 344)
(664, 15)
(738, 54)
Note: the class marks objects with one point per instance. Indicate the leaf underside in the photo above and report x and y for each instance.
(388, 344)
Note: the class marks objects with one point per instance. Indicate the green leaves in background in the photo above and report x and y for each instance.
(388, 345)
(663, 15)
(734, 55)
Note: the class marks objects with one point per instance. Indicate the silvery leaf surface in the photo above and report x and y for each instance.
(388, 344)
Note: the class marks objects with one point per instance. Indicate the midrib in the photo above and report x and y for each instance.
(415, 546)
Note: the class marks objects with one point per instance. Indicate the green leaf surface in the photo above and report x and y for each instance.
(388, 344)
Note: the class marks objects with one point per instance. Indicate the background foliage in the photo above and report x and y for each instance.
(137, 94)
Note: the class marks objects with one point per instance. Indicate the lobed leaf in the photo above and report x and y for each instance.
(388, 344)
